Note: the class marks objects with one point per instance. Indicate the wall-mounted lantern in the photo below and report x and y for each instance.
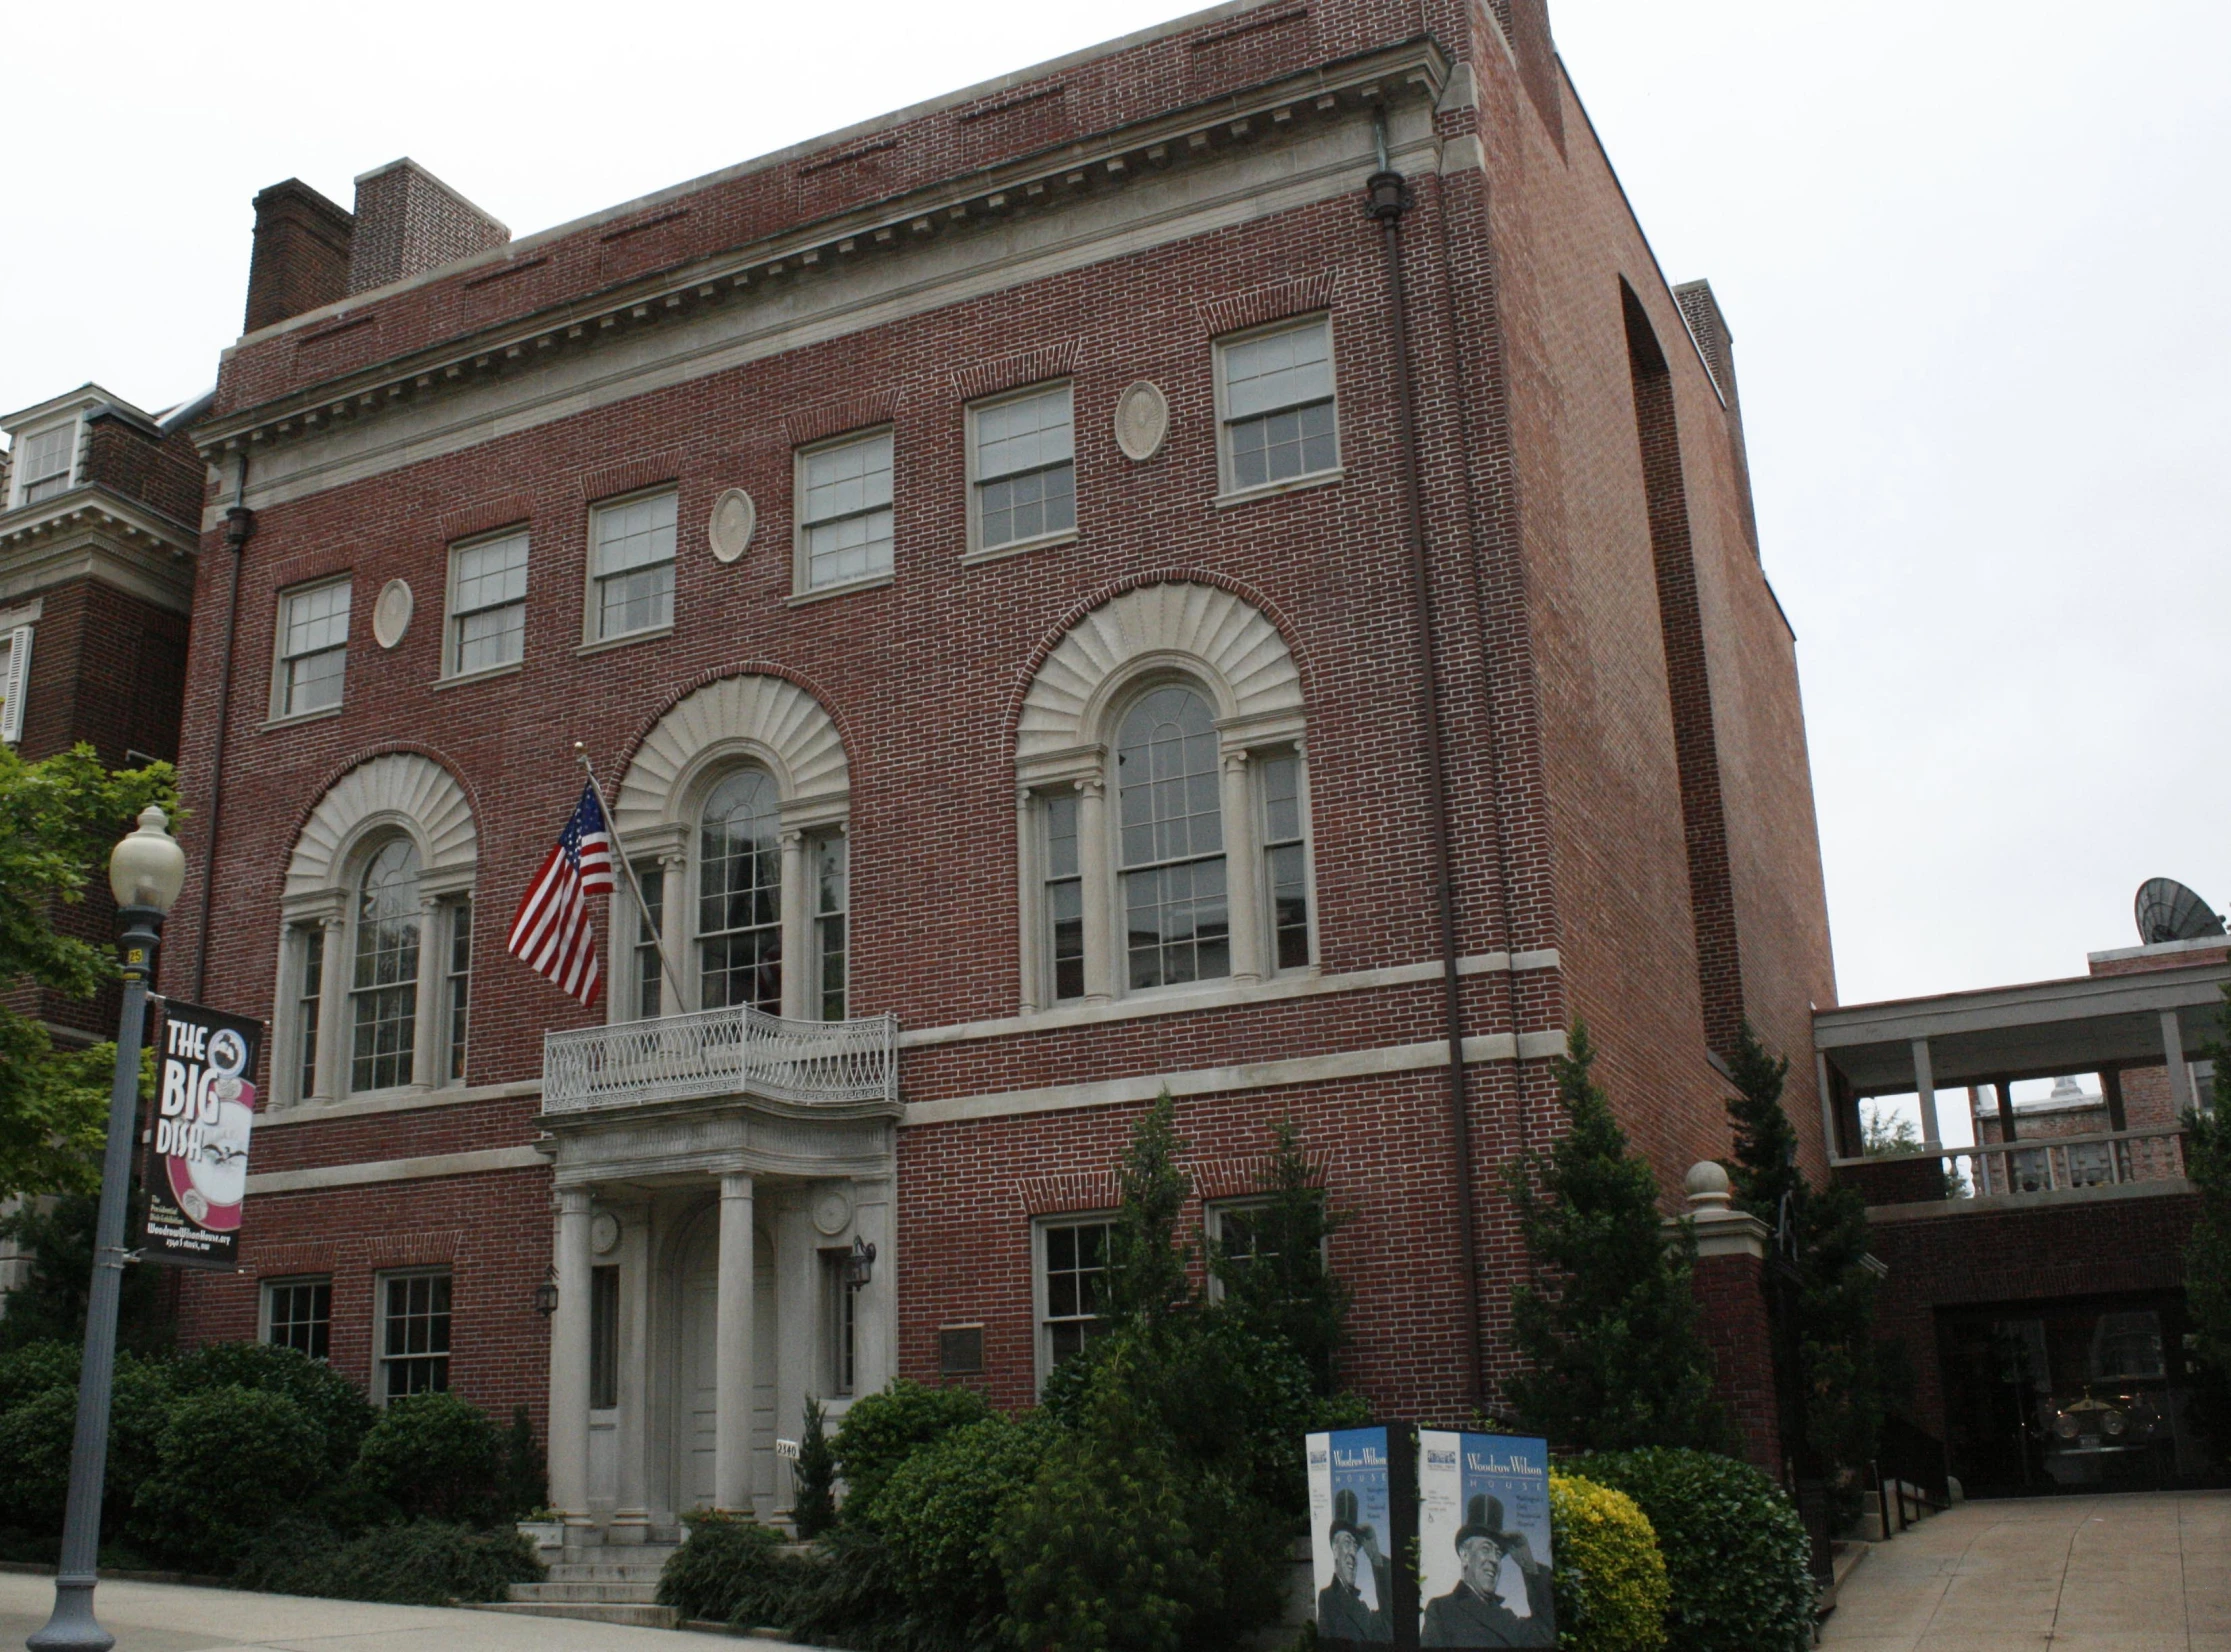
(859, 1267)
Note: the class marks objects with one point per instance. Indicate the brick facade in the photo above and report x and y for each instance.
(785, 300)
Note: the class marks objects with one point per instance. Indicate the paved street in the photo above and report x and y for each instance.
(2137, 1573)
(164, 1617)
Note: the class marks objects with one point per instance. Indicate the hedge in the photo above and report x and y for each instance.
(424, 1563)
(1610, 1578)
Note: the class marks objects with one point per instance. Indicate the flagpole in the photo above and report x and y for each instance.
(635, 888)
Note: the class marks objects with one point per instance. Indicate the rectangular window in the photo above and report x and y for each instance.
(1283, 865)
(1065, 904)
(414, 1334)
(15, 678)
(313, 648)
(604, 1338)
(845, 511)
(1024, 450)
(1075, 1263)
(307, 1005)
(487, 604)
(839, 1358)
(46, 463)
(459, 983)
(650, 973)
(832, 908)
(298, 1314)
(632, 563)
(1277, 394)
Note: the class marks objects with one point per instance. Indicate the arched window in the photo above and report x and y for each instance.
(1177, 926)
(739, 894)
(383, 987)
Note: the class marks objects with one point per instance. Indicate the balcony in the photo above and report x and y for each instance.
(725, 1052)
(2000, 1175)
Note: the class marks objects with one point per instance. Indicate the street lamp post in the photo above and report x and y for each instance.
(145, 872)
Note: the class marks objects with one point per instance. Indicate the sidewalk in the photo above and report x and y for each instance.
(2143, 1572)
(170, 1617)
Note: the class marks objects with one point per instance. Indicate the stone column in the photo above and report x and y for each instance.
(569, 1361)
(1730, 1287)
(1243, 873)
(333, 1010)
(798, 1339)
(2181, 1100)
(1925, 1087)
(874, 1306)
(1096, 864)
(426, 1032)
(797, 927)
(732, 1349)
(631, 1518)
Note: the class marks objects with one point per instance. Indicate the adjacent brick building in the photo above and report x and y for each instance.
(1055, 620)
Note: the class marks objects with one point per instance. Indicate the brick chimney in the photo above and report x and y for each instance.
(1716, 343)
(1525, 25)
(301, 257)
(408, 221)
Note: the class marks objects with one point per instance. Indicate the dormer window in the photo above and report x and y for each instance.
(46, 463)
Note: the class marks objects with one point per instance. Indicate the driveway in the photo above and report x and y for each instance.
(2145, 1572)
(169, 1617)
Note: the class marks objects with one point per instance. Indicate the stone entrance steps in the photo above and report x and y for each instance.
(599, 1584)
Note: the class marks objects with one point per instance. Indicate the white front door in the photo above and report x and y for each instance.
(700, 1294)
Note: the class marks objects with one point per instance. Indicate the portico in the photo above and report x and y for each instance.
(715, 1175)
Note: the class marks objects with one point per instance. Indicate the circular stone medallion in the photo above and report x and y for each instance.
(604, 1233)
(391, 614)
(1142, 420)
(831, 1211)
(734, 517)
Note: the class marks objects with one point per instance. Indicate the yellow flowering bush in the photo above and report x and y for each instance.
(1610, 1577)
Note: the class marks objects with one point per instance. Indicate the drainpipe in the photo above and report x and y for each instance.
(240, 524)
(1387, 197)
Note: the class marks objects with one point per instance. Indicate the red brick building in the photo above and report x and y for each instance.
(1079, 586)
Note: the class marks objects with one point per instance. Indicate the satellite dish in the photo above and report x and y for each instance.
(2168, 911)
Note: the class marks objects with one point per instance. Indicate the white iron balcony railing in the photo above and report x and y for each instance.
(721, 1052)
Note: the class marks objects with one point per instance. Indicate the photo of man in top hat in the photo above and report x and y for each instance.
(1354, 1605)
(1473, 1613)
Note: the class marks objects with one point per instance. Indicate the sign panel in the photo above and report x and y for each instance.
(1483, 1541)
(1351, 1535)
(205, 1106)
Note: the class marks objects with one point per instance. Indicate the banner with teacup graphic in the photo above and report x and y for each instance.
(197, 1163)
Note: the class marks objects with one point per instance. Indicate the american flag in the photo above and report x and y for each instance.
(552, 935)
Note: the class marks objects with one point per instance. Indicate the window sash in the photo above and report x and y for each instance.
(459, 984)
(488, 603)
(832, 916)
(650, 920)
(298, 1314)
(48, 462)
(1177, 911)
(604, 1337)
(414, 1334)
(739, 909)
(1285, 861)
(313, 647)
(1073, 1259)
(309, 1006)
(1279, 405)
(839, 1325)
(1025, 457)
(845, 493)
(632, 564)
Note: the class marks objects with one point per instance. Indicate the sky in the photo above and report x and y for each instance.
(1974, 255)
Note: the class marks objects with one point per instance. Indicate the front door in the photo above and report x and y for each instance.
(700, 1295)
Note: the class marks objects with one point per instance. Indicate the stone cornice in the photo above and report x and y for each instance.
(92, 531)
(1037, 183)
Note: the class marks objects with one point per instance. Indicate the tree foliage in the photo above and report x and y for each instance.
(1610, 1334)
(1820, 1234)
(813, 1507)
(1281, 1287)
(1147, 1262)
(2207, 1150)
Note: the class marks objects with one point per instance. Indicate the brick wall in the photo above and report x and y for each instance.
(1731, 1293)
(162, 473)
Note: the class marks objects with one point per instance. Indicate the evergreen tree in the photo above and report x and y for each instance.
(1147, 1265)
(1610, 1335)
(1821, 1235)
(2207, 1149)
(1277, 1284)
(814, 1507)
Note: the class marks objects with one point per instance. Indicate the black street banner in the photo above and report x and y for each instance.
(205, 1106)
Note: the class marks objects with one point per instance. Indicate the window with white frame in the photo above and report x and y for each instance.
(298, 1314)
(649, 919)
(1064, 915)
(1171, 841)
(832, 906)
(15, 679)
(1072, 1285)
(604, 1337)
(45, 463)
(413, 1333)
(313, 648)
(1276, 405)
(309, 1006)
(457, 920)
(487, 604)
(631, 565)
(1235, 1233)
(1285, 861)
(1022, 455)
(383, 985)
(839, 1324)
(739, 894)
(844, 511)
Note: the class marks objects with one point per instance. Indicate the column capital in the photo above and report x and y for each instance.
(735, 1184)
(1235, 760)
(334, 921)
(575, 1201)
(1092, 785)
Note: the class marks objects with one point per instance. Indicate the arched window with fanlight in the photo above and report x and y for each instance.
(739, 893)
(1170, 814)
(383, 984)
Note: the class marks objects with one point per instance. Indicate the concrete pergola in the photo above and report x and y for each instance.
(2091, 1023)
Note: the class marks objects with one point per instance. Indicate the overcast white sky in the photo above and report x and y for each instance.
(1974, 254)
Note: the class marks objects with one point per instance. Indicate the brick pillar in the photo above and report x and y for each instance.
(1730, 1283)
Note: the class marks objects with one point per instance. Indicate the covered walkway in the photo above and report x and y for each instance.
(2143, 1572)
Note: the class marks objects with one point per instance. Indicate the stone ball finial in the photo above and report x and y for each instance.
(1708, 1185)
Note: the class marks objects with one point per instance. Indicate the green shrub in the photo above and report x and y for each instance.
(728, 1572)
(332, 1402)
(35, 1440)
(228, 1462)
(939, 1512)
(438, 1457)
(31, 1370)
(1610, 1578)
(424, 1563)
(849, 1594)
(1736, 1555)
(526, 1474)
(882, 1430)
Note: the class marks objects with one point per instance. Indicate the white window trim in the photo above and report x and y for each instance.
(1041, 1333)
(592, 603)
(450, 616)
(279, 711)
(977, 551)
(816, 845)
(1213, 1212)
(264, 1288)
(15, 683)
(19, 483)
(1227, 490)
(380, 1281)
(802, 588)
